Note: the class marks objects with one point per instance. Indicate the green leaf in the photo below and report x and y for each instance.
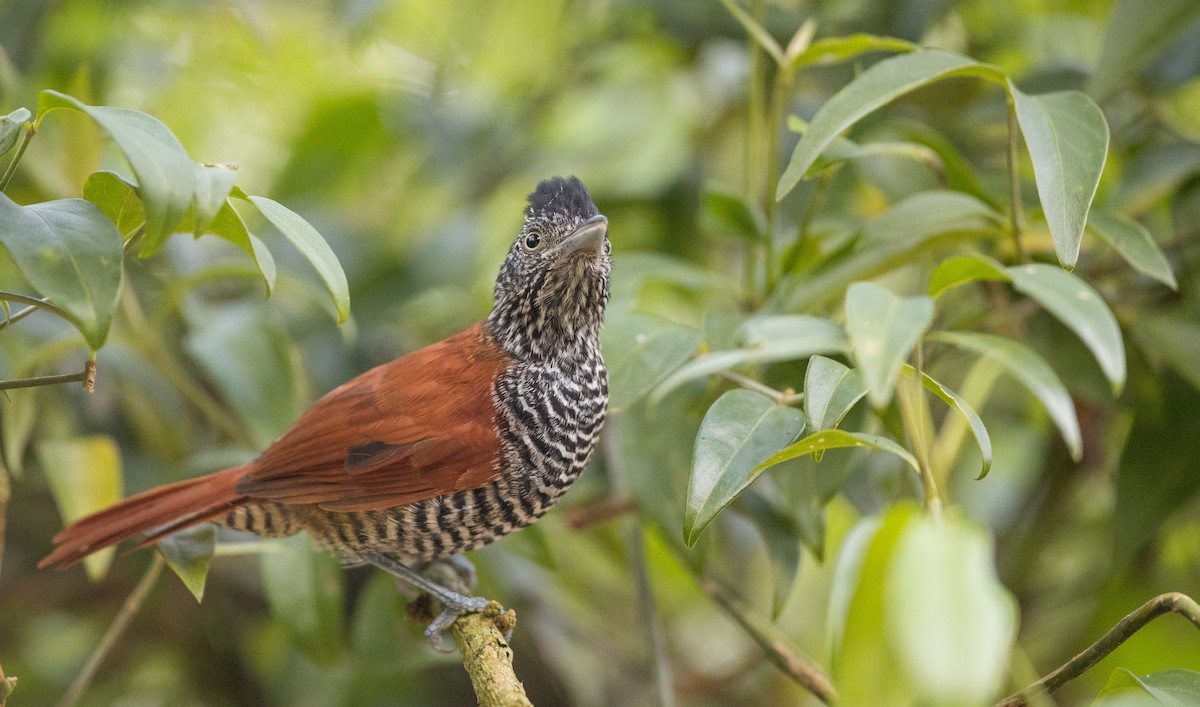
(1137, 32)
(933, 212)
(950, 623)
(117, 199)
(228, 224)
(213, 183)
(1133, 242)
(313, 247)
(760, 34)
(837, 439)
(873, 88)
(189, 552)
(1032, 371)
(11, 127)
(640, 350)
(166, 176)
(834, 50)
(729, 215)
(71, 253)
(961, 269)
(1081, 308)
(304, 591)
(883, 330)
(1170, 688)
(85, 477)
(830, 390)
(764, 339)
(1067, 139)
(963, 408)
(740, 429)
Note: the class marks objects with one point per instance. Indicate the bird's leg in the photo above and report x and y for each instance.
(455, 604)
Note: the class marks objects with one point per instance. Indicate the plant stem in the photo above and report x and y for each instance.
(30, 131)
(914, 413)
(779, 98)
(18, 317)
(133, 604)
(5, 492)
(1014, 184)
(781, 397)
(656, 643)
(754, 139)
(1172, 602)
(776, 646)
(85, 376)
(487, 657)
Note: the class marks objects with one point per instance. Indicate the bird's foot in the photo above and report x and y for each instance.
(455, 604)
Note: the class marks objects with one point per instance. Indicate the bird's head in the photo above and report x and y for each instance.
(553, 286)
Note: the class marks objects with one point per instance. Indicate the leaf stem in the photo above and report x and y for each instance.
(1172, 602)
(133, 604)
(773, 643)
(781, 397)
(35, 303)
(1017, 219)
(30, 131)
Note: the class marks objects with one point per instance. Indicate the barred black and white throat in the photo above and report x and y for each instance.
(549, 305)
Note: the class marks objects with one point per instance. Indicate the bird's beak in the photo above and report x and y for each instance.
(587, 237)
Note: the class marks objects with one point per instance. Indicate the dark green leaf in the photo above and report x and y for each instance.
(781, 533)
(961, 269)
(1133, 242)
(304, 591)
(166, 176)
(71, 254)
(117, 199)
(838, 439)
(1137, 31)
(741, 429)
(189, 552)
(11, 127)
(883, 330)
(764, 339)
(963, 408)
(1032, 371)
(85, 477)
(313, 247)
(1081, 308)
(875, 87)
(1067, 138)
(830, 390)
(640, 350)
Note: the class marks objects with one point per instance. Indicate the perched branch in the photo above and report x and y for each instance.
(1172, 602)
(774, 644)
(87, 377)
(488, 658)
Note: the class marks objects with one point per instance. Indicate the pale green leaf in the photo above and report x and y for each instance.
(639, 351)
(961, 269)
(838, 439)
(11, 127)
(85, 477)
(1133, 242)
(963, 408)
(188, 553)
(883, 330)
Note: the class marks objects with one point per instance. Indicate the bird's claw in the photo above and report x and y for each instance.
(454, 608)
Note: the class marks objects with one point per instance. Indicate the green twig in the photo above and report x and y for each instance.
(1014, 184)
(781, 397)
(914, 413)
(776, 646)
(133, 603)
(1172, 602)
(660, 660)
(30, 131)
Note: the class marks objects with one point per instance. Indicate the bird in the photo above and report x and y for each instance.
(435, 453)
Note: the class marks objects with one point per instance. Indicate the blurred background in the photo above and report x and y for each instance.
(408, 133)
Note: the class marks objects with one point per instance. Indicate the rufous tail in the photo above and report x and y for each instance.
(154, 513)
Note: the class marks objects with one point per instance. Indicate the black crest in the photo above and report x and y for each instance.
(556, 195)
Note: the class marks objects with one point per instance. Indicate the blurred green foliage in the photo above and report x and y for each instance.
(407, 133)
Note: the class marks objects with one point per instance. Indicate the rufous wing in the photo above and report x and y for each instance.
(421, 426)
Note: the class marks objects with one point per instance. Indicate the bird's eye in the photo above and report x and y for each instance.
(532, 241)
